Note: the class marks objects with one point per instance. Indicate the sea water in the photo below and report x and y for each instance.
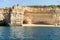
(29, 33)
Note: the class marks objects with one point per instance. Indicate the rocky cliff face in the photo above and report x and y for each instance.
(21, 15)
(43, 15)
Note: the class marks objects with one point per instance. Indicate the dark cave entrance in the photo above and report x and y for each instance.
(25, 22)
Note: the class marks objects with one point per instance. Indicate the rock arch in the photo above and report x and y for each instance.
(27, 20)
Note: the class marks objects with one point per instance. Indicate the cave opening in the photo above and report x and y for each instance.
(25, 22)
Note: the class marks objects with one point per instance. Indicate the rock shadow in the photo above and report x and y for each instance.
(42, 22)
(3, 23)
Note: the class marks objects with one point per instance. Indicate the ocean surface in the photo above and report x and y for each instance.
(29, 33)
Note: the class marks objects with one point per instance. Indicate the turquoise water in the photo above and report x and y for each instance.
(29, 33)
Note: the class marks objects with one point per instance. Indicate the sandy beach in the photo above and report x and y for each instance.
(38, 25)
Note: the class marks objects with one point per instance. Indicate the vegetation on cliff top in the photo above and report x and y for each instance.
(45, 6)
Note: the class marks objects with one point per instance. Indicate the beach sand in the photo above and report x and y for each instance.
(38, 25)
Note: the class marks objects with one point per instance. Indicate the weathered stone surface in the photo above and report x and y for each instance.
(19, 15)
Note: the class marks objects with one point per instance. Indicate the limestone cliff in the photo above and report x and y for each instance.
(23, 14)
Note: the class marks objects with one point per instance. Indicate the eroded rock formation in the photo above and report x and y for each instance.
(17, 15)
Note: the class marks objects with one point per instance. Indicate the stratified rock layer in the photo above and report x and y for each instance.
(17, 15)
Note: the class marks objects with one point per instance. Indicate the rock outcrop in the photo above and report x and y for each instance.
(17, 15)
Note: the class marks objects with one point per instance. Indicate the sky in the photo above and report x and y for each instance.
(9, 3)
